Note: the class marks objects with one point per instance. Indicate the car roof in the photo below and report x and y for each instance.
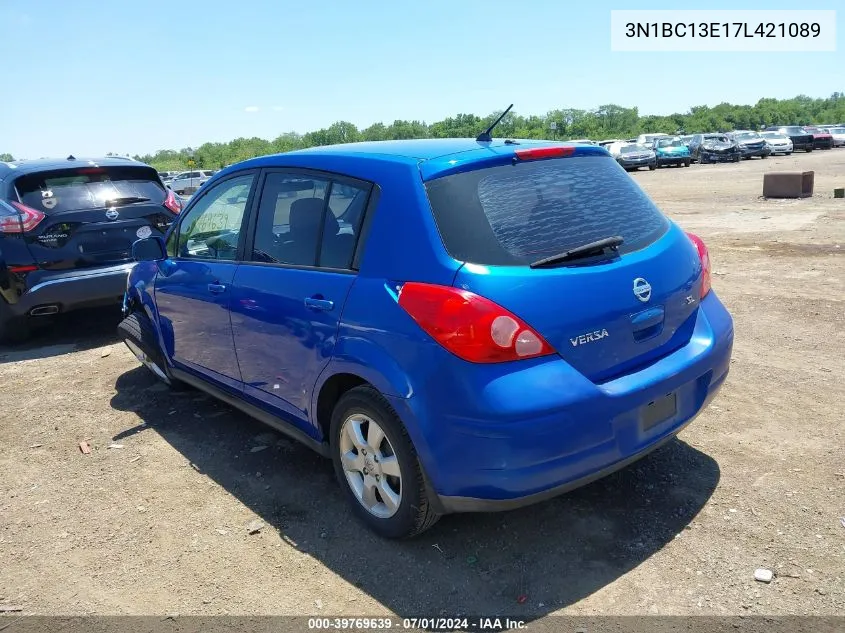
(21, 167)
(416, 149)
(434, 157)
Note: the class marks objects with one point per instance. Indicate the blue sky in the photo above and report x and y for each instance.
(89, 77)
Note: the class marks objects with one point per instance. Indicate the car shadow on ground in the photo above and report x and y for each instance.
(527, 562)
(62, 334)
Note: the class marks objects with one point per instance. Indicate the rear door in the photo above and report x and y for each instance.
(604, 314)
(289, 293)
(194, 284)
(92, 214)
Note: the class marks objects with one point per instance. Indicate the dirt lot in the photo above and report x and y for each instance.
(159, 526)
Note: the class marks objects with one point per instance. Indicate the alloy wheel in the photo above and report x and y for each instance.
(370, 465)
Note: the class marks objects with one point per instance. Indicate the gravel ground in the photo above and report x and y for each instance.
(154, 520)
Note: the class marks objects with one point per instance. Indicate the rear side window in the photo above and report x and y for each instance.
(296, 226)
(513, 215)
(89, 188)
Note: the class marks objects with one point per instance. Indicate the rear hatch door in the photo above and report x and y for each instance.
(93, 214)
(605, 314)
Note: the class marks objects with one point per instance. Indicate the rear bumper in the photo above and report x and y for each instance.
(75, 289)
(560, 430)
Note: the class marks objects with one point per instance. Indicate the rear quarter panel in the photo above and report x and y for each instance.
(377, 340)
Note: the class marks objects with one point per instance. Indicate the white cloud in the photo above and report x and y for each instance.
(251, 109)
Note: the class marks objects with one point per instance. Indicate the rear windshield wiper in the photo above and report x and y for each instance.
(585, 250)
(126, 200)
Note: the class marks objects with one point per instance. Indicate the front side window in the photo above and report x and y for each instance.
(211, 229)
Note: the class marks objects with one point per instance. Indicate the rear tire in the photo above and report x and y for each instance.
(13, 329)
(137, 332)
(366, 435)
(652, 167)
(687, 162)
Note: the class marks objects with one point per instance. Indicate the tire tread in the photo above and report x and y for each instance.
(137, 326)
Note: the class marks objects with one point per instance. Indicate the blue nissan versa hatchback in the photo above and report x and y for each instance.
(461, 325)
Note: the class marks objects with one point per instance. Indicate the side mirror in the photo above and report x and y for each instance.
(149, 249)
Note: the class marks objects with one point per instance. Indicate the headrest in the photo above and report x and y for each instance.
(305, 215)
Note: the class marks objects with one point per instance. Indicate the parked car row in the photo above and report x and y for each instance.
(655, 150)
(454, 340)
(186, 181)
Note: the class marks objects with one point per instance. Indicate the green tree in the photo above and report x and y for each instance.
(606, 121)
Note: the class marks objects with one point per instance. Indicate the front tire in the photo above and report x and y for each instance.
(137, 332)
(377, 466)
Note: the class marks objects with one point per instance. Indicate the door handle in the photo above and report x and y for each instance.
(315, 303)
(216, 289)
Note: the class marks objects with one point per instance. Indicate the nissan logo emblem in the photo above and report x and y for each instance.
(642, 289)
(111, 214)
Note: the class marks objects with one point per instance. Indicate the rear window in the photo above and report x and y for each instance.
(89, 188)
(513, 215)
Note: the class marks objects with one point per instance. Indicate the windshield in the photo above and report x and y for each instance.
(669, 142)
(746, 136)
(630, 149)
(88, 188)
(513, 215)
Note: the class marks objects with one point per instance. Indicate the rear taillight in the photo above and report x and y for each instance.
(470, 326)
(27, 219)
(22, 270)
(172, 203)
(706, 267)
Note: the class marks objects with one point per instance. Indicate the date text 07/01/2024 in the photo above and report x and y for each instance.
(461, 623)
